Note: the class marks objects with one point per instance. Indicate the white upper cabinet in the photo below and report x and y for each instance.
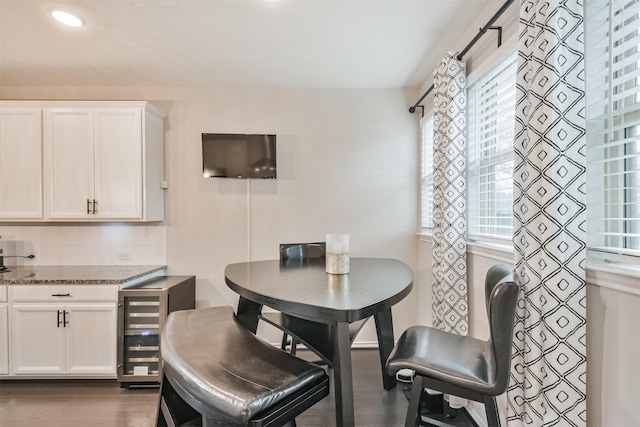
(20, 162)
(99, 161)
(93, 163)
(118, 163)
(69, 165)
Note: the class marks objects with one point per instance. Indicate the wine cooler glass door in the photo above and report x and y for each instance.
(142, 323)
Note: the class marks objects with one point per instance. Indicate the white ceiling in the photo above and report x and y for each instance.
(231, 43)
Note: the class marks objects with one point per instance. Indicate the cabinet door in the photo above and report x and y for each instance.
(20, 163)
(69, 165)
(118, 184)
(37, 339)
(4, 339)
(91, 336)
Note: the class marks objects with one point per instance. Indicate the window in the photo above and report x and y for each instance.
(613, 126)
(427, 171)
(490, 132)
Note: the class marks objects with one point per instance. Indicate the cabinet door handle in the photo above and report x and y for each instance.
(95, 206)
(59, 319)
(88, 207)
(65, 322)
(60, 295)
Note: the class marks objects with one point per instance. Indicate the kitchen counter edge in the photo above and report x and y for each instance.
(80, 275)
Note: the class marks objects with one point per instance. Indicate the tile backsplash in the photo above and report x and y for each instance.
(85, 244)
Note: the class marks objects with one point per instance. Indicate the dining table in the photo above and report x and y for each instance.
(306, 291)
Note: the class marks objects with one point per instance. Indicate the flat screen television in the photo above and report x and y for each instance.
(227, 155)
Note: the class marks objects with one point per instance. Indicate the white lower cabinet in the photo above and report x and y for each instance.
(91, 339)
(4, 332)
(37, 341)
(63, 331)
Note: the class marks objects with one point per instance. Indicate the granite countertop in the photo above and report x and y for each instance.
(77, 274)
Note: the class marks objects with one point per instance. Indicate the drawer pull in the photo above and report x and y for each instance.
(59, 322)
(60, 295)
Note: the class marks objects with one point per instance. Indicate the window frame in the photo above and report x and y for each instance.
(426, 177)
(613, 129)
(481, 228)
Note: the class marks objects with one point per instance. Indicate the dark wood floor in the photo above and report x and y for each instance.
(72, 403)
(88, 403)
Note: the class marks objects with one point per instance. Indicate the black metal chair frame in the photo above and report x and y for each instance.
(501, 293)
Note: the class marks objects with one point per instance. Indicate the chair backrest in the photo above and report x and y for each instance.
(501, 292)
(302, 250)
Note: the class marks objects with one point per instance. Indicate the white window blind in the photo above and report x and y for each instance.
(427, 172)
(490, 124)
(613, 126)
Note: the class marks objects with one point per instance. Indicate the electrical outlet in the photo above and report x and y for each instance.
(124, 256)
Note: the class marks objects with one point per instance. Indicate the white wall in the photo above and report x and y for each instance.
(613, 351)
(347, 162)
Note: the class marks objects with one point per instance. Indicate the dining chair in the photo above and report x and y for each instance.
(313, 335)
(460, 365)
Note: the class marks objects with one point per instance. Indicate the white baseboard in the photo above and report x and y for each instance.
(476, 411)
(365, 345)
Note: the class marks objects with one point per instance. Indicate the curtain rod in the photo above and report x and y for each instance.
(481, 32)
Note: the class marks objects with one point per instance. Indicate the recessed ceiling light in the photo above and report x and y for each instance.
(66, 17)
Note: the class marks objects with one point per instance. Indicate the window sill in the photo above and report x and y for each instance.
(615, 276)
(492, 250)
(619, 277)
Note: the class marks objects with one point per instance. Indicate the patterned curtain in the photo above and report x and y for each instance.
(548, 369)
(450, 311)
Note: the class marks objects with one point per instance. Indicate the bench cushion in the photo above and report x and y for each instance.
(222, 369)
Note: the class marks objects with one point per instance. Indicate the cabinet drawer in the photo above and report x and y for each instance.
(3, 294)
(33, 293)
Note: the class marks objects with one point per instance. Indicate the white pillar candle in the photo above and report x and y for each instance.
(337, 253)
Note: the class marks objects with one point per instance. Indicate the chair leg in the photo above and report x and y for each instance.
(491, 409)
(172, 410)
(294, 345)
(415, 403)
(433, 403)
(449, 412)
(285, 338)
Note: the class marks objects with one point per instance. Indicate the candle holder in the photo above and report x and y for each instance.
(337, 253)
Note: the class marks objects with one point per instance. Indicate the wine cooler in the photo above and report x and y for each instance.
(142, 311)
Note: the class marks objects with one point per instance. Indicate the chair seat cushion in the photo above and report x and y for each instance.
(434, 353)
(225, 370)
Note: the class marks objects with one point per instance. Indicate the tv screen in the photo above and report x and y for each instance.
(227, 155)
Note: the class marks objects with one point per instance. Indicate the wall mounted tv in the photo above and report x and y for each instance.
(227, 155)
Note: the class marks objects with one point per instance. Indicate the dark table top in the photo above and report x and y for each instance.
(307, 291)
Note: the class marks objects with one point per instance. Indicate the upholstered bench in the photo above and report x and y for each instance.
(217, 373)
